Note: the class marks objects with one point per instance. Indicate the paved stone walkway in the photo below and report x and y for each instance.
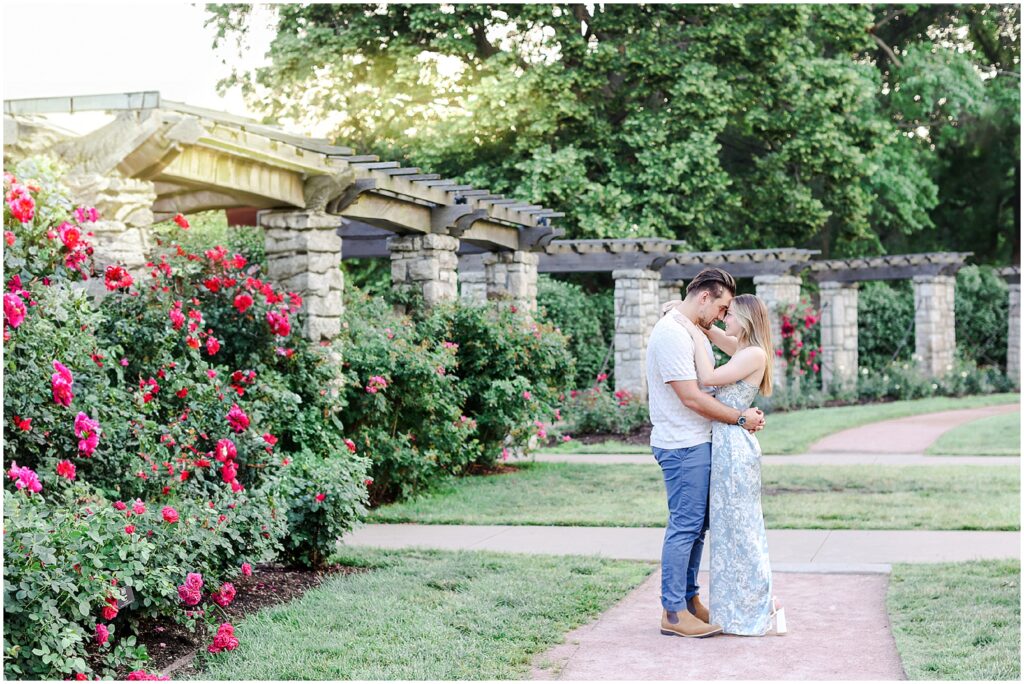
(803, 550)
(910, 435)
(801, 459)
(838, 629)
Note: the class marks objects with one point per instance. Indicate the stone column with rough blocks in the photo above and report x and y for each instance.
(1013, 350)
(637, 309)
(778, 292)
(473, 287)
(512, 276)
(935, 323)
(670, 289)
(839, 357)
(122, 233)
(426, 264)
(304, 256)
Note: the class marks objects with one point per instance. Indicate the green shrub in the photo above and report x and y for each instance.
(602, 410)
(324, 497)
(982, 312)
(885, 323)
(453, 388)
(587, 319)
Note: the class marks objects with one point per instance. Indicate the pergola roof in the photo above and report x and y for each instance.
(740, 263)
(892, 267)
(200, 159)
(1011, 274)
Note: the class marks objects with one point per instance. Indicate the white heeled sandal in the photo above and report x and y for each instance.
(778, 616)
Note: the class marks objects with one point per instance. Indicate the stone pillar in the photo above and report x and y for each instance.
(637, 309)
(473, 287)
(1013, 349)
(426, 264)
(778, 292)
(669, 290)
(512, 276)
(122, 232)
(935, 323)
(838, 335)
(304, 256)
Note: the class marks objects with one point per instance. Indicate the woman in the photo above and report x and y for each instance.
(741, 579)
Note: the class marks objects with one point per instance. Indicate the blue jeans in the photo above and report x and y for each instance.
(687, 480)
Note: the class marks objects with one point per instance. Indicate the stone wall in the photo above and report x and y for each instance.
(637, 308)
(304, 256)
(935, 323)
(778, 292)
(839, 353)
(512, 276)
(670, 289)
(426, 264)
(1013, 350)
(473, 287)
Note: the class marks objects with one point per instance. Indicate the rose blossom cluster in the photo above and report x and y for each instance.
(224, 640)
(20, 200)
(61, 383)
(24, 478)
(225, 452)
(225, 595)
(88, 432)
(191, 592)
(376, 384)
(117, 277)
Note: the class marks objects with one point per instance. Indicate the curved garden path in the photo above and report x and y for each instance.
(826, 615)
(910, 435)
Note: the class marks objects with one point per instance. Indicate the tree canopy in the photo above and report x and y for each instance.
(853, 129)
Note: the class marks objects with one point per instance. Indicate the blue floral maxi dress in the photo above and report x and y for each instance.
(741, 579)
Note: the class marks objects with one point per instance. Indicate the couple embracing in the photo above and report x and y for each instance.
(703, 439)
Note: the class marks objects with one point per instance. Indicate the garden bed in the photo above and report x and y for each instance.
(173, 648)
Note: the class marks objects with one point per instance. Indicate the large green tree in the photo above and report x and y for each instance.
(848, 128)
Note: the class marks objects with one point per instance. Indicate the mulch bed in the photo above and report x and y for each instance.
(170, 644)
(641, 437)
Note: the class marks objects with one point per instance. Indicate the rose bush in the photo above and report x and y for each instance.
(438, 393)
(149, 444)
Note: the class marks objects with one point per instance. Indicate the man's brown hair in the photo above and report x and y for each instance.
(714, 280)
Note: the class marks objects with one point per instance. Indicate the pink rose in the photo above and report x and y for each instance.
(102, 634)
(14, 310)
(60, 383)
(246, 569)
(170, 516)
(320, 497)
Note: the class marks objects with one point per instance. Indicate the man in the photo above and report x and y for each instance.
(681, 413)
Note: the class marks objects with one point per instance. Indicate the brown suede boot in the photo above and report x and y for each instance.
(699, 610)
(683, 623)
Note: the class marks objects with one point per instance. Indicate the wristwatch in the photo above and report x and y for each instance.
(742, 420)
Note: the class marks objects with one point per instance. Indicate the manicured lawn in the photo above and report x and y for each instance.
(796, 497)
(957, 620)
(427, 615)
(793, 432)
(992, 436)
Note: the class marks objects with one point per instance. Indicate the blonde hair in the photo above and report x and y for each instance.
(755, 330)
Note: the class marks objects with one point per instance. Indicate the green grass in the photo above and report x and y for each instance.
(992, 436)
(427, 615)
(957, 620)
(796, 497)
(794, 432)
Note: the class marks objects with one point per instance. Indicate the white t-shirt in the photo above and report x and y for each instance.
(670, 357)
